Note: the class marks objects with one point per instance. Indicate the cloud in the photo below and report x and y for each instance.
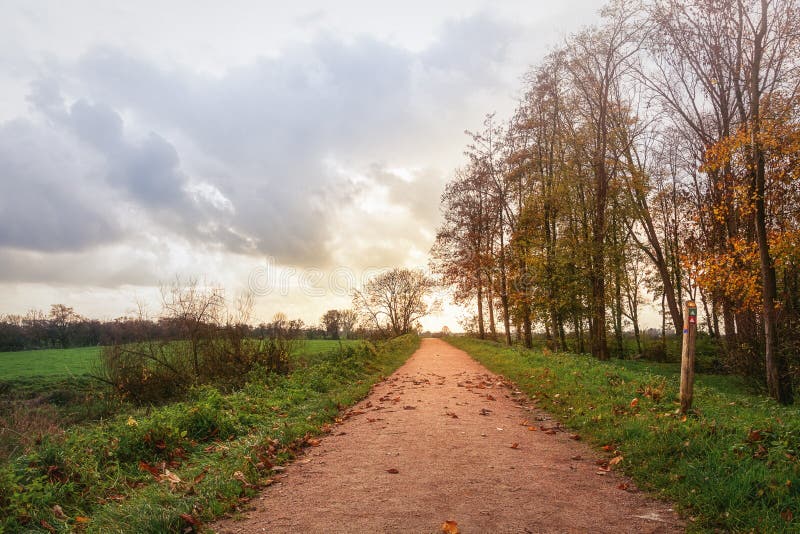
(50, 197)
(239, 161)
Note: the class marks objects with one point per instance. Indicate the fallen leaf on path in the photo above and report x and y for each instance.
(484, 411)
(409, 407)
(489, 397)
(615, 460)
(577, 457)
(313, 442)
(550, 431)
(608, 448)
(515, 445)
(392, 471)
(452, 414)
(450, 527)
(576, 437)
(624, 486)
(532, 428)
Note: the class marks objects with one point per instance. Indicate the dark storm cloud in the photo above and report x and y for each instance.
(240, 160)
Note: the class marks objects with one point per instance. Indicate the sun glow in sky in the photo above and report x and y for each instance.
(144, 141)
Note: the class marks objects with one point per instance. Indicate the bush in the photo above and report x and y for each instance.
(154, 372)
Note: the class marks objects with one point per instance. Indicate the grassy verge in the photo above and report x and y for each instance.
(731, 465)
(171, 468)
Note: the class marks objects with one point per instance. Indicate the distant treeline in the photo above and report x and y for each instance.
(62, 327)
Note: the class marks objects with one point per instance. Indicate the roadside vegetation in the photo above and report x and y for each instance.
(732, 464)
(170, 467)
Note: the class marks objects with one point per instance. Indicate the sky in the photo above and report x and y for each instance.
(288, 149)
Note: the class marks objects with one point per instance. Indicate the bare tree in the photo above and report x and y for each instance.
(395, 300)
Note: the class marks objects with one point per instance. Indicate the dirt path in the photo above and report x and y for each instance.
(444, 439)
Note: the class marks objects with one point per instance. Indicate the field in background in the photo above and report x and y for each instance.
(48, 362)
(81, 361)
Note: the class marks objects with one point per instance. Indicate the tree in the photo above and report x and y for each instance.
(394, 301)
(61, 320)
(347, 322)
(331, 323)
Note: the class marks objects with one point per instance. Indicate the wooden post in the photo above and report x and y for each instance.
(687, 354)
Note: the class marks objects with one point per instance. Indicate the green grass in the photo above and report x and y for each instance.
(81, 361)
(49, 362)
(731, 465)
(219, 448)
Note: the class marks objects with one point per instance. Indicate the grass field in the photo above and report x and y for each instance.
(732, 465)
(81, 361)
(48, 362)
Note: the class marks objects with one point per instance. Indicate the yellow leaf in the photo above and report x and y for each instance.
(450, 527)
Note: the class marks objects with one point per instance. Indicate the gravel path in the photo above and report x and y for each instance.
(443, 439)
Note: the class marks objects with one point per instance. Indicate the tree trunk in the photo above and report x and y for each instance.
(504, 284)
(481, 330)
(779, 382)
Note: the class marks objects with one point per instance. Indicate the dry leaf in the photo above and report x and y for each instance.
(81, 519)
(199, 478)
(144, 466)
(190, 519)
(624, 486)
(514, 445)
(532, 428)
(634, 403)
(58, 512)
(50, 527)
(450, 527)
(615, 460)
(393, 471)
(171, 477)
(576, 437)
